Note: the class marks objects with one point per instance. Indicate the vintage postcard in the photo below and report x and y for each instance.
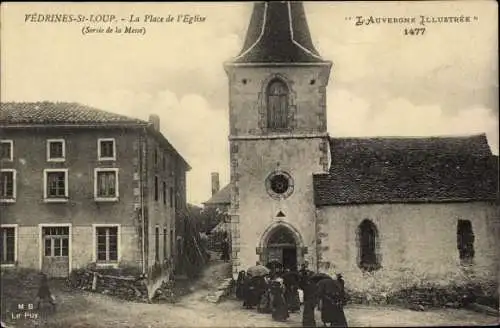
(249, 164)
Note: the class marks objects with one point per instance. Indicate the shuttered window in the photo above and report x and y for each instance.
(277, 105)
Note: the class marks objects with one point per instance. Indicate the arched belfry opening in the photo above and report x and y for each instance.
(281, 243)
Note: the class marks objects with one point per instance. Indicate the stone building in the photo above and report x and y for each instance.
(379, 210)
(80, 185)
(218, 205)
(220, 199)
(216, 212)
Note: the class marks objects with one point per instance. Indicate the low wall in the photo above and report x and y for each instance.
(130, 288)
(456, 289)
(123, 282)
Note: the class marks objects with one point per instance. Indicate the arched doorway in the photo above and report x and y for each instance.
(283, 244)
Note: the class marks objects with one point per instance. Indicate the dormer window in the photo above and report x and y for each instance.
(106, 149)
(56, 150)
(277, 105)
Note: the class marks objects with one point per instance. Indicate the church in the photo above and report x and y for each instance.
(382, 211)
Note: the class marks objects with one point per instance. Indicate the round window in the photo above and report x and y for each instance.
(279, 185)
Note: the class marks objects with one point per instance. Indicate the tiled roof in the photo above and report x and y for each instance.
(278, 32)
(222, 197)
(476, 145)
(53, 114)
(41, 113)
(384, 170)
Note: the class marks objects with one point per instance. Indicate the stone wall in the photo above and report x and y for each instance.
(256, 151)
(161, 164)
(125, 282)
(30, 159)
(417, 245)
(119, 283)
(81, 246)
(307, 97)
(255, 211)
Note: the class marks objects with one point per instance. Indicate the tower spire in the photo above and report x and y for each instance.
(278, 33)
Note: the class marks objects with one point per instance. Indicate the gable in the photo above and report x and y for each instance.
(222, 197)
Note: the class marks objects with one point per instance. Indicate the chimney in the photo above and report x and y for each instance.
(215, 183)
(155, 121)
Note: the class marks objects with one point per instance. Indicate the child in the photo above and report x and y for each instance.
(44, 292)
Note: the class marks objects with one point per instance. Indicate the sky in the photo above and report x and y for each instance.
(383, 83)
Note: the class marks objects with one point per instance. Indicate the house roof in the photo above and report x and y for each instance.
(222, 197)
(381, 170)
(72, 114)
(54, 113)
(278, 32)
(165, 143)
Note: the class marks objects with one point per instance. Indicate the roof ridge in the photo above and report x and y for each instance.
(72, 112)
(388, 137)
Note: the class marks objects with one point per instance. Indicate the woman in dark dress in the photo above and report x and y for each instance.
(310, 301)
(332, 305)
(265, 299)
(240, 285)
(278, 303)
(259, 283)
(254, 291)
(246, 290)
(291, 281)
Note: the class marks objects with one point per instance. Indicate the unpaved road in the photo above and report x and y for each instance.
(81, 309)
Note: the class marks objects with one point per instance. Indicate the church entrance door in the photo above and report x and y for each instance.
(290, 258)
(282, 248)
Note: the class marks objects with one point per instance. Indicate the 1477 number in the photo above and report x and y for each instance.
(414, 31)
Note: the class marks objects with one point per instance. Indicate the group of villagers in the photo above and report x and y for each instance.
(280, 291)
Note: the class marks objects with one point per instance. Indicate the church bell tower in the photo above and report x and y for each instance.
(278, 138)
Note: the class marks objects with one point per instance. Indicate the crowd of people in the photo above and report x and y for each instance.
(277, 292)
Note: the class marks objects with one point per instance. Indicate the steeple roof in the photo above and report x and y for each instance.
(278, 33)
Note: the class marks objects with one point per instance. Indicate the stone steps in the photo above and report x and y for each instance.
(224, 289)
